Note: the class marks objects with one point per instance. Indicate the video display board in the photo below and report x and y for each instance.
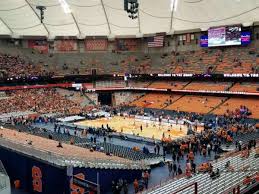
(224, 36)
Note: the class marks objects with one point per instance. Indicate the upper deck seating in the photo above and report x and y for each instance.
(213, 86)
(175, 85)
(245, 87)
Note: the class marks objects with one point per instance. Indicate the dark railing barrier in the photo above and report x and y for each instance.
(187, 186)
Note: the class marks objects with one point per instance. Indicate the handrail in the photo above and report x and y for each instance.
(3, 182)
(186, 186)
(67, 85)
(234, 189)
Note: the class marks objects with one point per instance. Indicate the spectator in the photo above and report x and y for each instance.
(170, 168)
(136, 186)
(146, 179)
(179, 170)
(174, 169)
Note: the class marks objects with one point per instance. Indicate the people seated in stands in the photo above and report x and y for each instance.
(29, 142)
(214, 175)
(229, 167)
(16, 66)
(205, 167)
(39, 100)
(256, 177)
(245, 153)
(59, 145)
(247, 181)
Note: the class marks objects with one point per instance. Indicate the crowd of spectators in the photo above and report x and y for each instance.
(17, 67)
(199, 61)
(241, 112)
(40, 101)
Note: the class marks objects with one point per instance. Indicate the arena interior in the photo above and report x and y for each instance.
(129, 96)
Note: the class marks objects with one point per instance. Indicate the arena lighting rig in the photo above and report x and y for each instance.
(131, 7)
(41, 8)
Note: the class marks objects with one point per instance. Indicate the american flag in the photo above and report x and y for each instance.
(156, 41)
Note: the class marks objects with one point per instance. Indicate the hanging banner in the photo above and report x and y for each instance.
(96, 44)
(40, 45)
(65, 45)
(127, 44)
(188, 38)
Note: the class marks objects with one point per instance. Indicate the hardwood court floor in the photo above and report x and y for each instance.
(132, 126)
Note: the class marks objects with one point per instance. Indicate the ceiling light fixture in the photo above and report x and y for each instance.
(174, 5)
(65, 6)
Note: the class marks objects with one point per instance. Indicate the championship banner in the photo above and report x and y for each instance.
(96, 44)
(188, 38)
(127, 44)
(65, 45)
(39, 45)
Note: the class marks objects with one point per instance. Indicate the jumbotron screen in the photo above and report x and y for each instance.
(224, 36)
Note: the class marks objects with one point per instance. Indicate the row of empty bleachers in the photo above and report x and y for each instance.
(110, 84)
(48, 145)
(198, 104)
(242, 167)
(205, 184)
(178, 85)
(116, 150)
(215, 86)
(234, 103)
(196, 61)
(139, 84)
(126, 152)
(236, 60)
(198, 85)
(175, 85)
(153, 100)
(245, 87)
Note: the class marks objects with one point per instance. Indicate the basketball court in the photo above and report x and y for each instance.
(132, 126)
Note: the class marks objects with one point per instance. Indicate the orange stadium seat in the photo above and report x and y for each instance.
(175, 85)
(158, 101)
(198, 104)
(233, 103)
(245, 87)
(207, 86)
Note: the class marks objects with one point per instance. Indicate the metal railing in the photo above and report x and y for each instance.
(4, 179)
